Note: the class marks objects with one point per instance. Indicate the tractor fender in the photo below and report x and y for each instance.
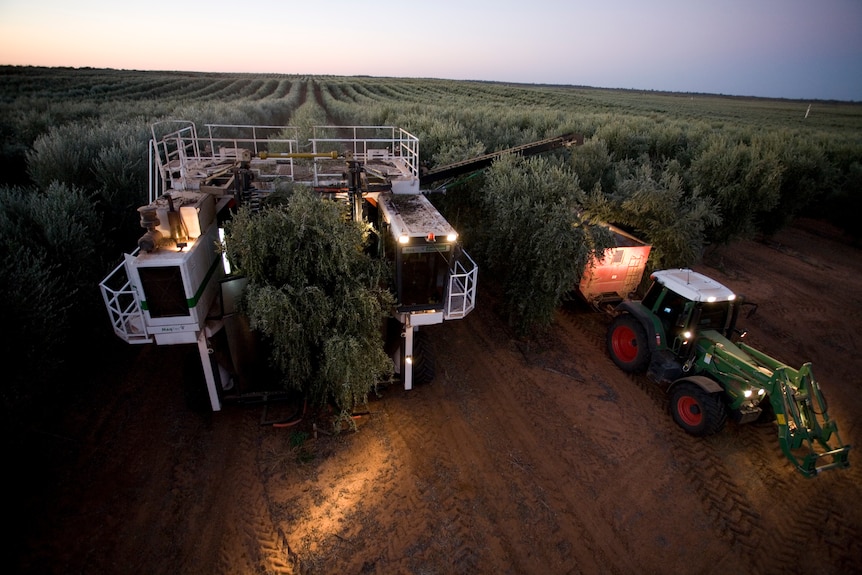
(639, 312)
(705, 383)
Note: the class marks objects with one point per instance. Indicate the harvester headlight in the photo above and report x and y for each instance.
(451, 237)
(711, 298)
(403, 239)
(747, 393)
(686, 334)
(761, 392)
(731, 297)
(408, 360)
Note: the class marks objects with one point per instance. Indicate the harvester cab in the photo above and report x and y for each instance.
(683, 334)
(176, 289)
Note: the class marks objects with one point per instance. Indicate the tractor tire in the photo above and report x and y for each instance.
(423, 359)
(697, 411)
(627, 344)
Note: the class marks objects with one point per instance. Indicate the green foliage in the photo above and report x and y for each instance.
(806, 177)
(744, 180)
(658, 207)
(47, 262)
(315, 294)
(108, 156)
(534, 240)
(593, 164)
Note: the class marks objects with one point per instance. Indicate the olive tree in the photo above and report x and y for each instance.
(657, 206)
(535, 239)
(316, 294)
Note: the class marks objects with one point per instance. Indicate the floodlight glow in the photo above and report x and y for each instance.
(224, 261)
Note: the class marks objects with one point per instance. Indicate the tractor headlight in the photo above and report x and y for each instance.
(403, 239)
(451, 237)
(747, 393)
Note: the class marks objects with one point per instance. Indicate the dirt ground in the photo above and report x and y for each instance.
(540, 458)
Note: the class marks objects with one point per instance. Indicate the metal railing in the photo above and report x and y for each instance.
(124, 306)
(461, 297)
(365, 143)
(181, 159)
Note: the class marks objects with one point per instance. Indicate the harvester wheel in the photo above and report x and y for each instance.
(697, 411)
(423, 359)
(627, 344)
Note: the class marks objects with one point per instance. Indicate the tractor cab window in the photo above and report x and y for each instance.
(715, 315)
(672, 312)
(652, 295)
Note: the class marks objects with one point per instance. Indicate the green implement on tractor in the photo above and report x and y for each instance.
(680, 334)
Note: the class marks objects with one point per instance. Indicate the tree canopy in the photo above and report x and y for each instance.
(315, 293)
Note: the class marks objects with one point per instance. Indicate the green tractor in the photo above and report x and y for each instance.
(680, 335)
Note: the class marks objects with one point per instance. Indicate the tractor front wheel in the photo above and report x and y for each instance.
(695, 410)
(627, 344)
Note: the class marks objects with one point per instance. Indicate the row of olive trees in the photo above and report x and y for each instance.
(49, 256)
(680, 181)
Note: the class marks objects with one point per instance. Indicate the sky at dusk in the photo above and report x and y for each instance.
(799, 49)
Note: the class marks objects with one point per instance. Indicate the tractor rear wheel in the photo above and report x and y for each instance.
(627, 344)
(695, 410)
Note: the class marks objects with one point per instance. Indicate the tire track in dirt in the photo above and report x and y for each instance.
(725, 502)
(811, 515)
(252, 542)
(434, 523)
(806, 520)
(526, 448)
(329, 509)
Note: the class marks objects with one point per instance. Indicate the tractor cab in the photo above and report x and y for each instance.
(684, 303)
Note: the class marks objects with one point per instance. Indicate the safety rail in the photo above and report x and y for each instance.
(365, 143)
(124, 306)
(461, 297)
(259, 139)
(181, 159)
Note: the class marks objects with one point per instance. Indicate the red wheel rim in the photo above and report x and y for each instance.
(689, 410)
(625, 343)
